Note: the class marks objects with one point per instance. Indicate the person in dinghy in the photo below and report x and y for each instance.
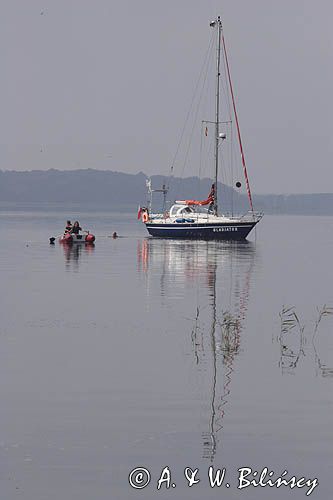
(72, 234)
(68, 227)
(76, 228)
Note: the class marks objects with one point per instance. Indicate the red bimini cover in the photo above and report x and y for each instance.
(209, 200)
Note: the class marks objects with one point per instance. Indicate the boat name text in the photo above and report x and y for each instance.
(222, 229)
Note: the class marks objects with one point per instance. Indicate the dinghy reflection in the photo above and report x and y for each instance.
(219, 276)
(73, 254)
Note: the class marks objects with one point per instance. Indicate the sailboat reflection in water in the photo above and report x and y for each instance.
(215, 278)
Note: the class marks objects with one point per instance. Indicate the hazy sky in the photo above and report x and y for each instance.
(107, 84)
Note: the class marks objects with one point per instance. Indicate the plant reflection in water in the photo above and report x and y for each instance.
(298, 340)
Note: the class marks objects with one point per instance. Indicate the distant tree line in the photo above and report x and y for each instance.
(119, 189)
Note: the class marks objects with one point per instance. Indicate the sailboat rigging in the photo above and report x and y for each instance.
(189, 218)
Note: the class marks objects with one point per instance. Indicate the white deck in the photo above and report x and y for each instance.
(189, 213)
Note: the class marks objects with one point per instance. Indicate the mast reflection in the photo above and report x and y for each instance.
(218, 274)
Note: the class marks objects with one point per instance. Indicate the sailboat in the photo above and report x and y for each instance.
(201, 219)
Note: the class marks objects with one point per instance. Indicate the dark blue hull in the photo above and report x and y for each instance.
(218, 231)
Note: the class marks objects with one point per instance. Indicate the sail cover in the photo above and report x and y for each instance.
(210, 199)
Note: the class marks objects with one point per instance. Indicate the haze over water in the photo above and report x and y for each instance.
(153, 353)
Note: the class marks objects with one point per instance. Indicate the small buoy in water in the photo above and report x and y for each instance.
(90, 238)
(238, 184)
(114, 235)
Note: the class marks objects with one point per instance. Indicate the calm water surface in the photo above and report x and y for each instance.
(152, 353)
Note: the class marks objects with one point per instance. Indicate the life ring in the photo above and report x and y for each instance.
(145, 217)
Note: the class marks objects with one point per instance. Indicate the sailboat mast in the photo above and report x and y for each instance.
(217, 23)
